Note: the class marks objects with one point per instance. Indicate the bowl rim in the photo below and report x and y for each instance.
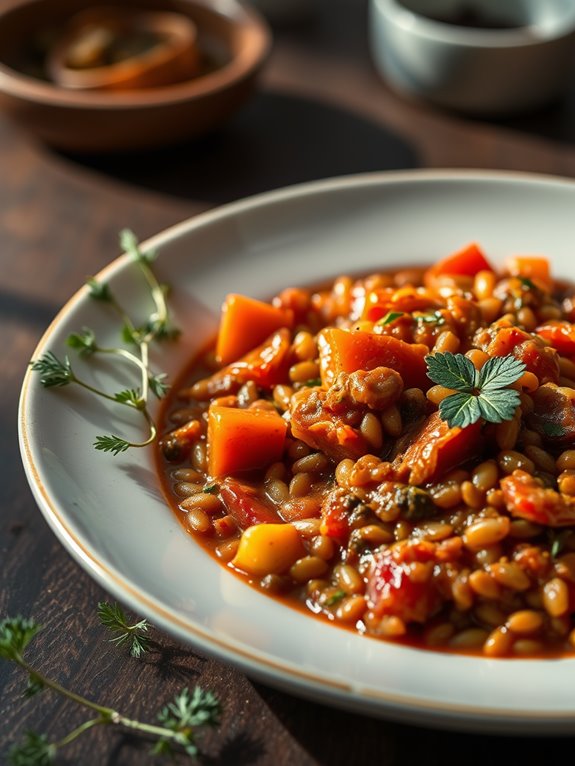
(527, 36)
(244, 63)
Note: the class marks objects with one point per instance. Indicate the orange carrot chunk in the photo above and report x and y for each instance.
(346, 351)
(530, 267)
(243, 440)
(245, 323)
(465, 262)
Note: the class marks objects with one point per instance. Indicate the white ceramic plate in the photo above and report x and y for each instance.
(109, 512)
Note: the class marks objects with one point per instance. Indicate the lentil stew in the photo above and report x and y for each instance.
(306, 450)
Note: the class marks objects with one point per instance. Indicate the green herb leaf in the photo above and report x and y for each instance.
(84, 342)
(113, 617)
(112, 444)
(99, 291)
(35, 685)
(497, 405)
(211, 489)
(499, 371)
(335, 598)
(35, 750)
(390, 317)
(54, 373)
(158, 384)
(130, 245)
(131, 396)
(452, 371)
(15, 635)
(460, 409)
(478, 395)
(434, 318)
(312, 383)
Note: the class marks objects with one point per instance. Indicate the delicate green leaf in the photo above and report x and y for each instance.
(130, 245)
(15, 635)
(99, 291)
(434, 318)
(335, 598)
(452, 371)
(35, 750)
(84, 342)
(113, 617)
(53, 371)
(35, 685)
(131, 396)
(131, 334)
(211, 489)
(200, 708)
(497, 405)
(390, 317)
(112, 444)
(460, 409)
(499, 371)
(158, 385)
(312, 383)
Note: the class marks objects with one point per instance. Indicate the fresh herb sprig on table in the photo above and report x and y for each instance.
(113, 617)
(177, 723)
(483, 393)
(55, 372)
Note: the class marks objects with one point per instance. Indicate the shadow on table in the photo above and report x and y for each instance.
(334, 737)
(276, 140)
(555, 122)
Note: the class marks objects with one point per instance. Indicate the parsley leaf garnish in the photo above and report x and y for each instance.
(477, 393)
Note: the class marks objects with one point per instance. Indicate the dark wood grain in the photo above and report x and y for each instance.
(321, 111)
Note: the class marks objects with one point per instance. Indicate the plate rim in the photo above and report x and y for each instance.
(254, 662)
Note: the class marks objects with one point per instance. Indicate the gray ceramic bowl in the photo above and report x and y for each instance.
(484, 57)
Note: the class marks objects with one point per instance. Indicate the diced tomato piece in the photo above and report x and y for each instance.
(380, 302)
(267, 364)
(553, 413)
(527, 498)
(539, 359)
(436, 449)
(465, 262)
(394, 589)
(335, 516)
(245, 506)
(347, 351)
(560, 334)
(533, 267)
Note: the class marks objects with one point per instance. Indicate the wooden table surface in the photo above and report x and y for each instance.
(320, 111)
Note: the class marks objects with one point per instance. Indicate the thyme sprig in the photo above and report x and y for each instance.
(177, 721)
(113, 617)
(56, 373)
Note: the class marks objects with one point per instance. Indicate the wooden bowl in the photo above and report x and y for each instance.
(233, 42)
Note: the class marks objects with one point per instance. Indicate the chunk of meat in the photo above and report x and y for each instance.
(245, 506)
(436, 448)
(266, 365)
(330, 420)
(502, 338)
(335, 511)
(377, 389)
(526, 497)
(397, 588)
(553, 413)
